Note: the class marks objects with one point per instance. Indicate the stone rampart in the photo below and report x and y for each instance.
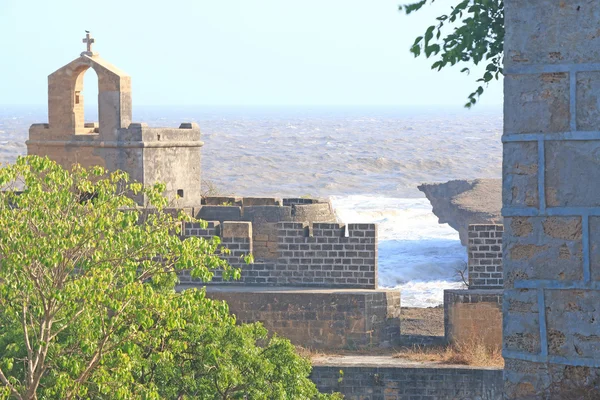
(473, 317)
(317, 255)
(318, 318)
(485, 256)
(329, 254)
(409, 382)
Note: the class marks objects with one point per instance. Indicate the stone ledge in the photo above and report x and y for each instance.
(317, 318)
(473, 314)
(378, 361)
(375, 378)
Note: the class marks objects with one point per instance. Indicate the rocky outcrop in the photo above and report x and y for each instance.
(460, 203)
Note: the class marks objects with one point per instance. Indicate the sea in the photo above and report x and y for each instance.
(367, 160)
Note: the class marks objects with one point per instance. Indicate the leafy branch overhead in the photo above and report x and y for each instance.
(477, 36)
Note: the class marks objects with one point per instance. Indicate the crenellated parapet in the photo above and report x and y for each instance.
(316, 255)
(265, 213)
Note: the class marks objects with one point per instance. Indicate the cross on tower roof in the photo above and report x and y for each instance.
(89, 40)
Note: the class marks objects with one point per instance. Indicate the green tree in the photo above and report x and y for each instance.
(88, 306)
(472, 32)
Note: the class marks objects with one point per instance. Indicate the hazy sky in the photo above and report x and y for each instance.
(232, 52)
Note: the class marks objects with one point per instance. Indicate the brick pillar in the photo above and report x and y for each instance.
(551, 199)
(485, 256)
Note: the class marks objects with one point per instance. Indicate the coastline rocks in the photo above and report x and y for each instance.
(460, 203)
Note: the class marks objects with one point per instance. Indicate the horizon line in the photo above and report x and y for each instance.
(280, 105)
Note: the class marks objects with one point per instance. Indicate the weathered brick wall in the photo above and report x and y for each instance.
(320, 256)
(323, 255)
(402, 383)
(235, 236)
(551, 199)
(321, 319)
(485, 256)
(473, 316)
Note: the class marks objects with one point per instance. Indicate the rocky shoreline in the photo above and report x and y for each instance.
(460, 203)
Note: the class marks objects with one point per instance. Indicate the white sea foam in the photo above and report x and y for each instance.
(416, 253)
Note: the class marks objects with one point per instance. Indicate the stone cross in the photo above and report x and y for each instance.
(89, 40)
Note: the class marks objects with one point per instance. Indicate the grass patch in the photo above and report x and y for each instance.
(474, 353)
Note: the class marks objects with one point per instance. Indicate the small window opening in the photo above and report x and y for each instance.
(77, 97)
(158, 136)
(180, 193)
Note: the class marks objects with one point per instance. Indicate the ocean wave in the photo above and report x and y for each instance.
(370, 161)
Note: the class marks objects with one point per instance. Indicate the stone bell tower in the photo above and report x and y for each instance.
(148, 155)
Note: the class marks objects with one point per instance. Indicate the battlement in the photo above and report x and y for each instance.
(331, 254)
(188, 134)
(325, 254)
(225, 230)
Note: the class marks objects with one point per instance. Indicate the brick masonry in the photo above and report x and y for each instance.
(264, 214)
(328, 254)
(321, 255)
(473, 316)
(485, 256)
(403, 383)
(316, 318)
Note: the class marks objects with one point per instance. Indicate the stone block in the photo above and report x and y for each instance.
(236, 229)
(564, 159)
(473, 315)
(189, 125)
(220, 213)
(529, 380)
(221, 201)
(573, 322)
(318, 212)
(261, 201)
(542, 32)
(588, 101)
(595, 248)
(269, 214)
(522, 328)
(520, 171)
(539, 103)
(525, 380)
(555, 243)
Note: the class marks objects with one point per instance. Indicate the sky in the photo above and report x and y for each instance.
(233, 52)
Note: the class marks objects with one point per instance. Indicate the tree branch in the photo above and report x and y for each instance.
(9, 385)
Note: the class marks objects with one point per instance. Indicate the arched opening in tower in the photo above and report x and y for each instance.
(86, 102)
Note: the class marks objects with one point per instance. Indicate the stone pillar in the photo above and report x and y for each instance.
(551, 199)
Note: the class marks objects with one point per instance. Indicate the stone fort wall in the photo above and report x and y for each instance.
(551, 199)
(318, 318)
(411, 383)
(321, 254)
(291, 247)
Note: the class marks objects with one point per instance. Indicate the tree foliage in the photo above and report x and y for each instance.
(476, 35)
(88, 306)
